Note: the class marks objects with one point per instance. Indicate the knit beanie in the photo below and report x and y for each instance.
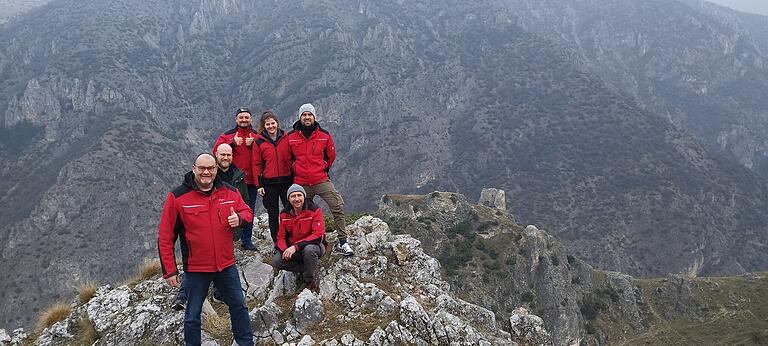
(307, 107)
(295, 188)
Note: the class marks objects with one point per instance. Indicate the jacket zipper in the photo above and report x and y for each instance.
(213, 236)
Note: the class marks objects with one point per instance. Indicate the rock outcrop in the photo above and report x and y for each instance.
(389, 293)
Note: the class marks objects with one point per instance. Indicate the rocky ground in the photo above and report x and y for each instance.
(389, 293)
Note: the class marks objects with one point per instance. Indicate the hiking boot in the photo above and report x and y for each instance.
(343, 249)
(248, 246)
(301, 286)
(314, 286)
(179, 302)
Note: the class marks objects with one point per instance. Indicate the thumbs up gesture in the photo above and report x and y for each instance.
(248, 140)
(238, 140)
(233, 219)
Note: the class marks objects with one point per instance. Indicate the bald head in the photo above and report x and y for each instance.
(224, 156)
(204, 170)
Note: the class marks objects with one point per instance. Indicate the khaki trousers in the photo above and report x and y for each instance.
(335, 203)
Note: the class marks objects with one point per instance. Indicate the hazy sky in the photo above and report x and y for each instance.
(754, 6)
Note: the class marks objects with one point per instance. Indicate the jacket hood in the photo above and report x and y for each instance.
(265, 135)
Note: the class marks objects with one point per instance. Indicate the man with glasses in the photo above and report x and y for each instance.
(202, 213)
(313, 154)
(241, 140)
(231, 175)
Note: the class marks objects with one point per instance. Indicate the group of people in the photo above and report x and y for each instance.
(214, 207)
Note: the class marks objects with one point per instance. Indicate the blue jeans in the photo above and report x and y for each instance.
(228, 283)
(245, 237)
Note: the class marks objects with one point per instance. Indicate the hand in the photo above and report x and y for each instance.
(233, 219)
(238, 140)
(260, 191)
(288, 253)
(249, 141)
(173, 281)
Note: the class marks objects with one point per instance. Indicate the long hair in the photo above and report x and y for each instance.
(267, 114)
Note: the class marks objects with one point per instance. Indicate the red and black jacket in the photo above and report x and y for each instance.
(199, 221)
(271, 160)
(241, 154)
(299, 230)
(313, 156)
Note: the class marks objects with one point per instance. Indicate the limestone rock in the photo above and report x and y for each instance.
(494, 198)
(307, 311)
(529, 327)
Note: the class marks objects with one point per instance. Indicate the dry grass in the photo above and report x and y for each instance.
(85, 292)
(218, 327)
(86, 333)
(149, 268)
(53, 314)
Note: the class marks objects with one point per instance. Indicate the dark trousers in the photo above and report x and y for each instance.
(245, 237)
(228, 283)
(303, 261)
(273, 194)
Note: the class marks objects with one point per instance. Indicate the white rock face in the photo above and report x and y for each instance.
(494, 198)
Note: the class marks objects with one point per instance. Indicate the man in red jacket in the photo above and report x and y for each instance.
(202, 213)
(241, 140)
(300, 238)
(313, 154)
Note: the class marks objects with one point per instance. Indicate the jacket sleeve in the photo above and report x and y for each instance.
(256, 165)
(282, 244)
(242, 209)
(166, 237)
(330, 152)
(318, 231)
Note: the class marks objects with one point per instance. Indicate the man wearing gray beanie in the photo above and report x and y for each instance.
(300, 238)
(314, 152)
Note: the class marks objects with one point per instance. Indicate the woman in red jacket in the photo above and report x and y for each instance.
(271, 164)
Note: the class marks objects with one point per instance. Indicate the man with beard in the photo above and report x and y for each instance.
(241, 140)
(314, 152)
(202, 213)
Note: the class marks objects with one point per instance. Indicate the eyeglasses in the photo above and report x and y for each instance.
(204, 169)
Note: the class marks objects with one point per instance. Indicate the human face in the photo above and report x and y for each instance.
(270, 125)
(243, 119)
(296, 199)
(204, 170)
(224, 156)
(307, 119)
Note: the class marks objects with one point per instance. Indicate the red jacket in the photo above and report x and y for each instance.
(300, 230)
(200, 223)
(271, 161)
(313, 156)
(241, 154)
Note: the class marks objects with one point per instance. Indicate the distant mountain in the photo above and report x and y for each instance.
(12, 8)
(104, 106)
(701, 66)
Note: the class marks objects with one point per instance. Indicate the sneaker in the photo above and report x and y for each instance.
(344, 249)
(248, 246)
(179, 303)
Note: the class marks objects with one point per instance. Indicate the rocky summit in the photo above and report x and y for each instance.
(389, 293)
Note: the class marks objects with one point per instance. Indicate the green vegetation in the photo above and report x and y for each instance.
(719, 311)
